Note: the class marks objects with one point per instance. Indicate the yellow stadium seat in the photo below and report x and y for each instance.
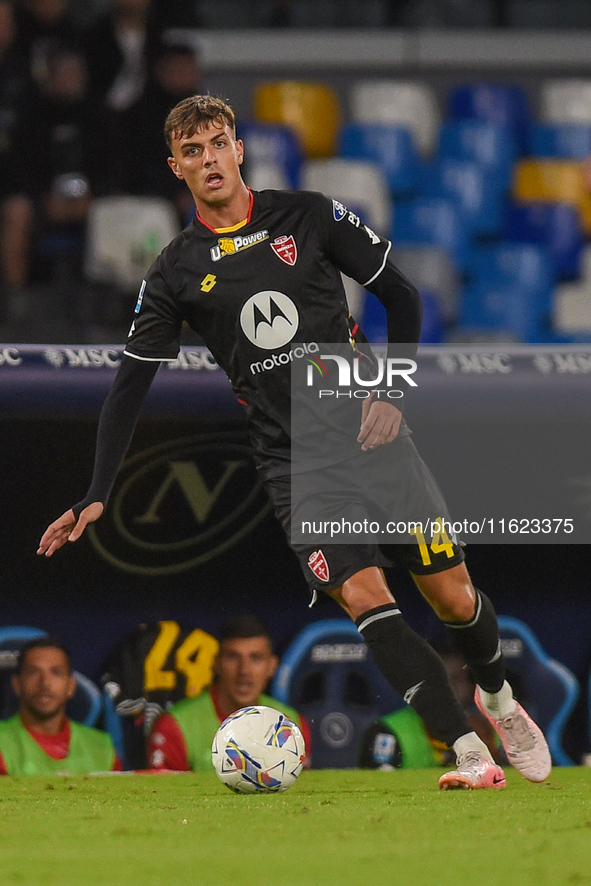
(556, 181)
(311, 109)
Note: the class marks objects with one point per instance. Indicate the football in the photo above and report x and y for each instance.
(258, 750)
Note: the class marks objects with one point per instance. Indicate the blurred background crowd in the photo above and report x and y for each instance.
(484, 192)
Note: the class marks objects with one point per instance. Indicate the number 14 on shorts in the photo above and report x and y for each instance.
(440, 541)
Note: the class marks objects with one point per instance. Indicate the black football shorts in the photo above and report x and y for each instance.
(372, 486)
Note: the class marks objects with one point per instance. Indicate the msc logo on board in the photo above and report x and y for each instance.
(181, 503)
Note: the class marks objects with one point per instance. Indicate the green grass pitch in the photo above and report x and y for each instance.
(332, 827)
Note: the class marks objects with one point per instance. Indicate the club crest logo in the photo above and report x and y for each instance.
(269, 319)
(285, 247)
(318, 565)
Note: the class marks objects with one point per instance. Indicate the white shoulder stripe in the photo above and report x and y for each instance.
(150, 359)
(382, 266)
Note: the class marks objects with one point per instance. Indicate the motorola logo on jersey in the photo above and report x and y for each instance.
(179, 504)
(269, 319)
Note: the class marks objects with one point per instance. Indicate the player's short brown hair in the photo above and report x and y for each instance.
(195, 113)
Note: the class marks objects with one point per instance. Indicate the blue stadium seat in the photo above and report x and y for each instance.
(545, 687)
(478, 196)
(329, 676)
(511, 291)
(373, 319)
(504, 104)
(488, 144)
(86, 705)
(555, 226)
(271, 149)
(568, 141)
(433, 322)
(435, 221)
(391, 147)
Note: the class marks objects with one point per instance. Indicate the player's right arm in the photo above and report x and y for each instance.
(116, 425)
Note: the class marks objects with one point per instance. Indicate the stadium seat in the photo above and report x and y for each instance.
(86, 705)
(124, 236)
(566, 141)
(545, 687)
(329, 676)
(433, 326)
(475, 192)
(399, 102)
(431, 270)
(511, 290)
(572, 310)
(566, 101)
(488, 144)
(432, 221)
(555, 226)
(373, 319)
(273, 156)
(360, 185)
(553, 181)
(312, 110)
(391, 147)
(504, 104)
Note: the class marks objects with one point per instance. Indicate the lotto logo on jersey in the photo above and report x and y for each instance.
(285, 247)
(338, 210)
(232, 245)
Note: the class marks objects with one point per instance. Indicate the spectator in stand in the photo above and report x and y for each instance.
(59, 159)
(181, 738)
(14, 81)
(40, 739)
(40, 24)
(175, 74)
(119, 47)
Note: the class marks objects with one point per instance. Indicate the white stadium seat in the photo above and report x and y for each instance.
(360, 185)
(404, 103)
(124, 236)
(566, 101)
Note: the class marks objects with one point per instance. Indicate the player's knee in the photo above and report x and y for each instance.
(450, 594)
(363, 591)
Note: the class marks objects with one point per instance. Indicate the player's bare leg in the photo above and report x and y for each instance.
(417, 673)
(472, 626)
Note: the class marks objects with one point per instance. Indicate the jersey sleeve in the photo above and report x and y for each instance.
(166, 746)
(156, 328)
(362, 254)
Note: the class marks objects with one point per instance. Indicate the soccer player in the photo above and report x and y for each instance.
(181, 738)
(253, 273)
(40, 739)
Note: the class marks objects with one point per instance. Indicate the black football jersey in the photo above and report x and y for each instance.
(258, 293)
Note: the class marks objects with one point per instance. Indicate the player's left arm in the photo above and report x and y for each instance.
(357, 251)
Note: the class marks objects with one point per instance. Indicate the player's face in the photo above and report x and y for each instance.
(209, 162)
(243, 668)
(45, 683)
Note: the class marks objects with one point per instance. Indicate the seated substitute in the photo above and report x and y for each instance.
(40, 739)
(181, 738)
(401, 740)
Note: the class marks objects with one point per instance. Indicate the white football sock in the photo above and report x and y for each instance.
(471, 742)
(499, 704)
